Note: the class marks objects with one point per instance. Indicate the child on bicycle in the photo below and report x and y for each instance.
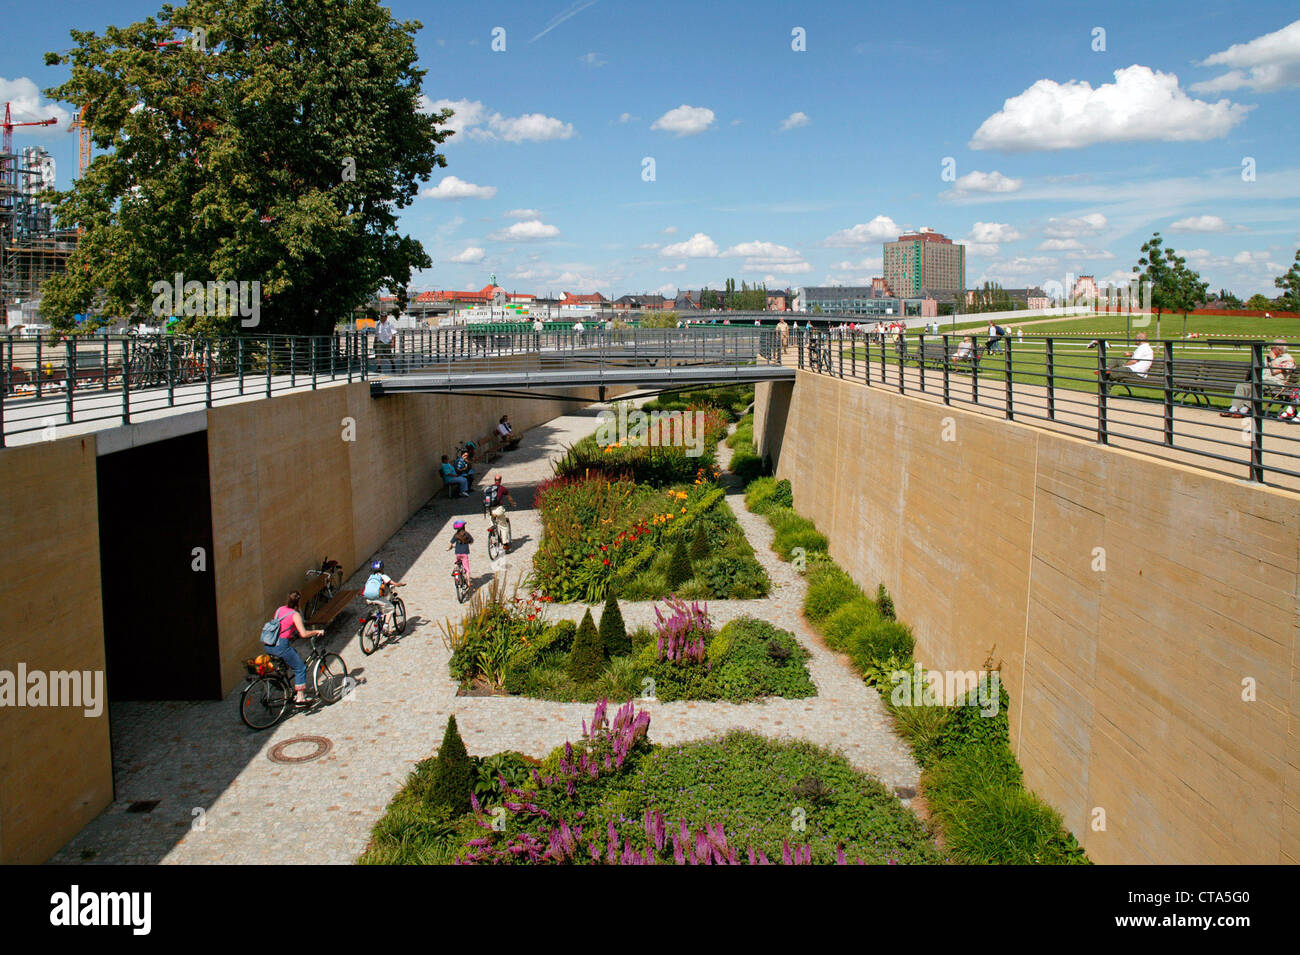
(461, 539)
(379, 587)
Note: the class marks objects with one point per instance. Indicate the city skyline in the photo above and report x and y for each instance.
(786, 147)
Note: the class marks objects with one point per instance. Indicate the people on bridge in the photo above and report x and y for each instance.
(452, 480)
(293, 628)
(385, 332)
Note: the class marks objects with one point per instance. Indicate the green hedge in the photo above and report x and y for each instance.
(970, 775)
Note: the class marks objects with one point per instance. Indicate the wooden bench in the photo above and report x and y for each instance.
(322, 614)
(936, 355)
(1196, 379)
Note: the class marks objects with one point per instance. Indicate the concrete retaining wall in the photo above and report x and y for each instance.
(1126, 682)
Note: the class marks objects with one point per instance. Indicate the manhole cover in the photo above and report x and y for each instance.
(306, 748)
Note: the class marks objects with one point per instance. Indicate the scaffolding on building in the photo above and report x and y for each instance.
(32, 246)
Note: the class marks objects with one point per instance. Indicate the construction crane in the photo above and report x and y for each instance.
(9, 126)
(83, 141)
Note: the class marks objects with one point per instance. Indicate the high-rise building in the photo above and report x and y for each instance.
(925, 260)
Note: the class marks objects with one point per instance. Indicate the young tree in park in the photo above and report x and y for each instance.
(1259, 303)
(1289, 300)
(1189, 288)
(1158, 267)
(274, 145)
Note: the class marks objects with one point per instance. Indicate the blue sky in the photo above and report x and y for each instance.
(791, 166)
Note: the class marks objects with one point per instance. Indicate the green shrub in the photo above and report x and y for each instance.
(559, 636)
(829, 588)
(882, 640)
(620, 682)
(922, 726)
(613, 633)
(453, 773)
(884, 602)
(988, 817)
(679, 565)
(842, 627)
(587, 658)
(970, 728)
(641, 636)
(700, 543)
(720, 644)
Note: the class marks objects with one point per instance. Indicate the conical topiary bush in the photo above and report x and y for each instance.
(699, 544)
(613, 632)
(587, 658)
(453, 773)
(679, 565)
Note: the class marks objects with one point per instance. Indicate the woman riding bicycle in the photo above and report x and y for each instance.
(461, 539)
(292, 628)
(495, 499)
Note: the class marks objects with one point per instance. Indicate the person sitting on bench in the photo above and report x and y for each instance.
(453, 481)
(1138, 364)
(965, 351)
(1277, 368)
(506, 434)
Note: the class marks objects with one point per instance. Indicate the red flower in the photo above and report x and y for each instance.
(606, 561)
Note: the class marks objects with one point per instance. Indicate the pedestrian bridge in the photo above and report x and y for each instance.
(93, 383)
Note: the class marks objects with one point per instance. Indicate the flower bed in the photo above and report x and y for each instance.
(503, 646)
(601, 534)
(613, 798)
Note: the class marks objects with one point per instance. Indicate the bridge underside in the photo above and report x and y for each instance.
(539, 384)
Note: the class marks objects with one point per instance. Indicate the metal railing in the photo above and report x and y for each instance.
(120, 379)
(1176, 407)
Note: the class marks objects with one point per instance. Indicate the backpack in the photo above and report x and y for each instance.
(490, 496)
(271, 632)
(376, 591)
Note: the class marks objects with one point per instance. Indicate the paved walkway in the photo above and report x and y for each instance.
(221, 799)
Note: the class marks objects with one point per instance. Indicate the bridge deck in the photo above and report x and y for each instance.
(454, 379)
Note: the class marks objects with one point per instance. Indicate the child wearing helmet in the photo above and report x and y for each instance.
(379, 586)
(461, 539)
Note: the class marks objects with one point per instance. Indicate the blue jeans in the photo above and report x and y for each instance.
(457, 482)
(285, 651)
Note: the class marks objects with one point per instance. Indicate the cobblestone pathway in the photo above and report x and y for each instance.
(220, 798)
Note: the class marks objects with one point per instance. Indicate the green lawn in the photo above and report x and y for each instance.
(1171, 326)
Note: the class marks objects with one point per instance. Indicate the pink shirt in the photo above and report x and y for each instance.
(287, 630)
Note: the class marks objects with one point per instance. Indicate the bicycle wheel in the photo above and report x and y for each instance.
(399, 615)
(494, 545)
(462, 588)
(368, 635)
(329, 677)
(264, 702)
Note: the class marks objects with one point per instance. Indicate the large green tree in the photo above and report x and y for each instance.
(1289, 300)
(275, 145)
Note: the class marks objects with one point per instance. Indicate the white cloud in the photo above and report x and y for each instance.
(1265, 64)
(594, 60)
(667, 291)
(523, 214)
(986, 182)
(526, 231)
(685, 120)
(1061, 245)
(1141, 105)
(472, 119)
(879, 229)
(869, 264)
(679, 267)
(626, 117)
(669, 230)
(994, 232)
(27, 105)
(698, 246)
(453, 188)
(471, 254)
(1200, 224)
(1080, 225)
(794, 121)
(768, 256)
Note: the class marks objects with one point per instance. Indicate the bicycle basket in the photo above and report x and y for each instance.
(262, 664)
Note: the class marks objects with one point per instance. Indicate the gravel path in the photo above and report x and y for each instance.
(221, 799)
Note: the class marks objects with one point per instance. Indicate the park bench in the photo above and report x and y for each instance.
(1200, 380)
(318, 614)
(936, 355)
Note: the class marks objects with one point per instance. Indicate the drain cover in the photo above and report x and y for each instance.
(319, 746)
